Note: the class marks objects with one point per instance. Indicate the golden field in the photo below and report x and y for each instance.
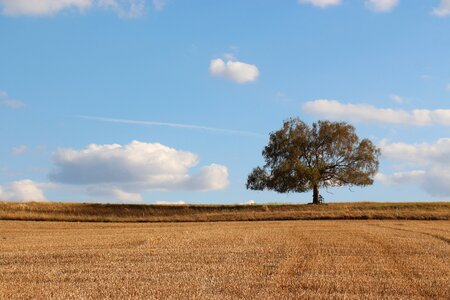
(92, 212)
(322, 259)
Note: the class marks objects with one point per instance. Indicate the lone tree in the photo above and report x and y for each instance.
(300, 158)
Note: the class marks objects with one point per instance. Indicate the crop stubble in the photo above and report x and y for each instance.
(229, 260)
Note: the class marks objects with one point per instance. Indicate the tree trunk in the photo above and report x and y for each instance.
(316, 194)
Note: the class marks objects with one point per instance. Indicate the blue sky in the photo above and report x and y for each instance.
(169, 101)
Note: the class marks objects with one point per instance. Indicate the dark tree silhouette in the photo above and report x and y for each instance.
(300, 158)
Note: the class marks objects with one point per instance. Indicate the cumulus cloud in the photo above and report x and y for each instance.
(423, 153)
(112, 192)
(367, 113)
(433, 181)
(321, 3)
(22, 190)
(123, 171)
(401, 177)
(233, 70)
(212, 177)
(8, 102)
(124, 8)
(135, 162)
(430, 164)
(443, 9)
(382, 5)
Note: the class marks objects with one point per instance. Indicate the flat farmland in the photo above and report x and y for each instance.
(322, 259)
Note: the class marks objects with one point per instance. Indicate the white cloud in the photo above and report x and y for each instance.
(448, 86)
(234, 70)
(423, 154)
(123, 171)
(443, 9)
(8, 102)
(401, 177)
(170, 202)
(433, 181)
(431, 164)
(22, 190)
(321, 3)
(367, 113)
(382, 5)
(135, 162)
(42, 7)
(109, 192)
(250, 202)
(19, 150)
(436, 180)
(124, 8)
(212, 177)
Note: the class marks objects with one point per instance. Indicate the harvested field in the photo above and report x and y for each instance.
(227, 260)
(92, 212)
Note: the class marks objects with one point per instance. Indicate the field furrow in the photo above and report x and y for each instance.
(227, 260)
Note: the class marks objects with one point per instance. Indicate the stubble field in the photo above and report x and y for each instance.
(228, 260)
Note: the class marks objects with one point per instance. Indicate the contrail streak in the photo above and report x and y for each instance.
(172, 125)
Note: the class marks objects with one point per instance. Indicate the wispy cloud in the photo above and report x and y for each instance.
(159, 5)
(124, 8)
(321, 3)
(19, 150)
(382, 5)
(8, 102)
(131, 9)
(398, 99)
(172, 125)
(443, 9)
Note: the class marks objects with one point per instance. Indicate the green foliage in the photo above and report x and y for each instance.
(300, 158)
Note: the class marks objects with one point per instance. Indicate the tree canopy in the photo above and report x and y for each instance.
(300, 158)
